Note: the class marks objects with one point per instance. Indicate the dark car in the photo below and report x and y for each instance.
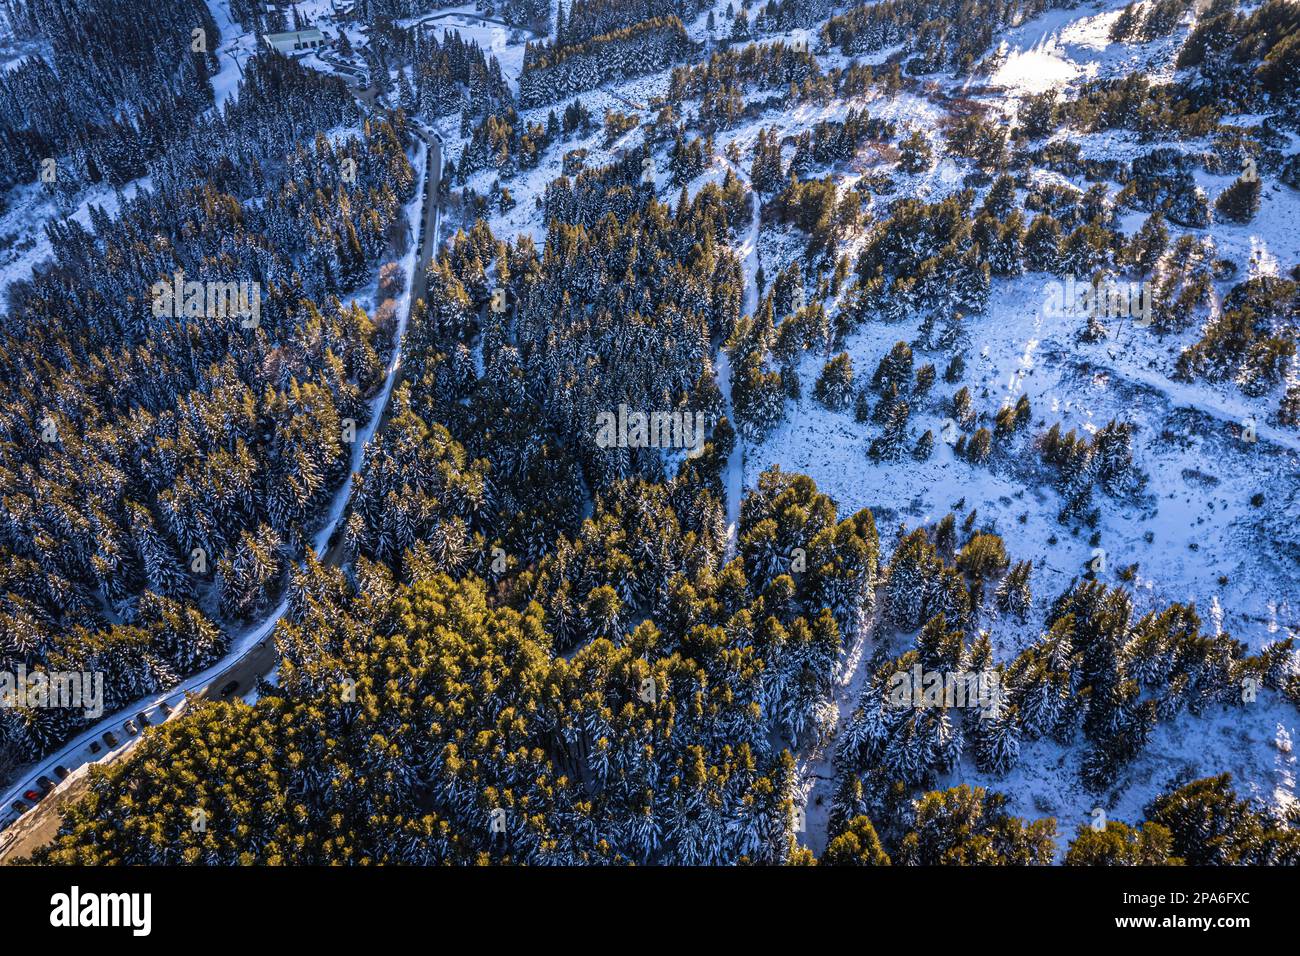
(230, 688)
(130, 728)
(61, 772)
(19, 806)
(95, 747)
(143, 718)
(110, 738)
(46, 783)
(166, 711)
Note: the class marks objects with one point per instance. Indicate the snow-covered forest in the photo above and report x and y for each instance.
(988, 310)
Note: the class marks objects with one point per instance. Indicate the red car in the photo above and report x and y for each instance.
(33, 795)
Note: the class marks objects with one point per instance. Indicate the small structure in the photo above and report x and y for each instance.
(295, 41)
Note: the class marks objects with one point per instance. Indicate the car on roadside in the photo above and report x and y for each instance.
(229, 689)
(94, 747)
(61, 772)
(35, 796)
(110, 738)
(18, 806)
(46, 783)
(130, 728)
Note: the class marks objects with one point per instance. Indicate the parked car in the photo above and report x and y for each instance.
(166, 711)
(19, 806)
(143, 718)
(229, 689)
(61, 772)
(33, 795)
(110, 738)
(46, 783)
(130, 728)
(95, 747)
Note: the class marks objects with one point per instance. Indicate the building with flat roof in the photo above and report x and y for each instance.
(295, 41)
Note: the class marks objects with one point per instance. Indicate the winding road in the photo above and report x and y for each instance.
(253, 654)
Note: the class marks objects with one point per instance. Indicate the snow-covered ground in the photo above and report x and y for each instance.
(506, 43)
(1198, 510)
(1060, 47)
(23, 243)
(1254, 743)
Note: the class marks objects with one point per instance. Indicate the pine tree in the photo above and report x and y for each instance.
(834, 387)
(914, 153)
(1042, 244)
(894, 370)
(1013, 594)
(856, 845)
(1240, 201)
(1120, 845)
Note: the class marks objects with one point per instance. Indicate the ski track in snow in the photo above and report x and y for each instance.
(225, 83)
(815, 782)
(734, 479)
